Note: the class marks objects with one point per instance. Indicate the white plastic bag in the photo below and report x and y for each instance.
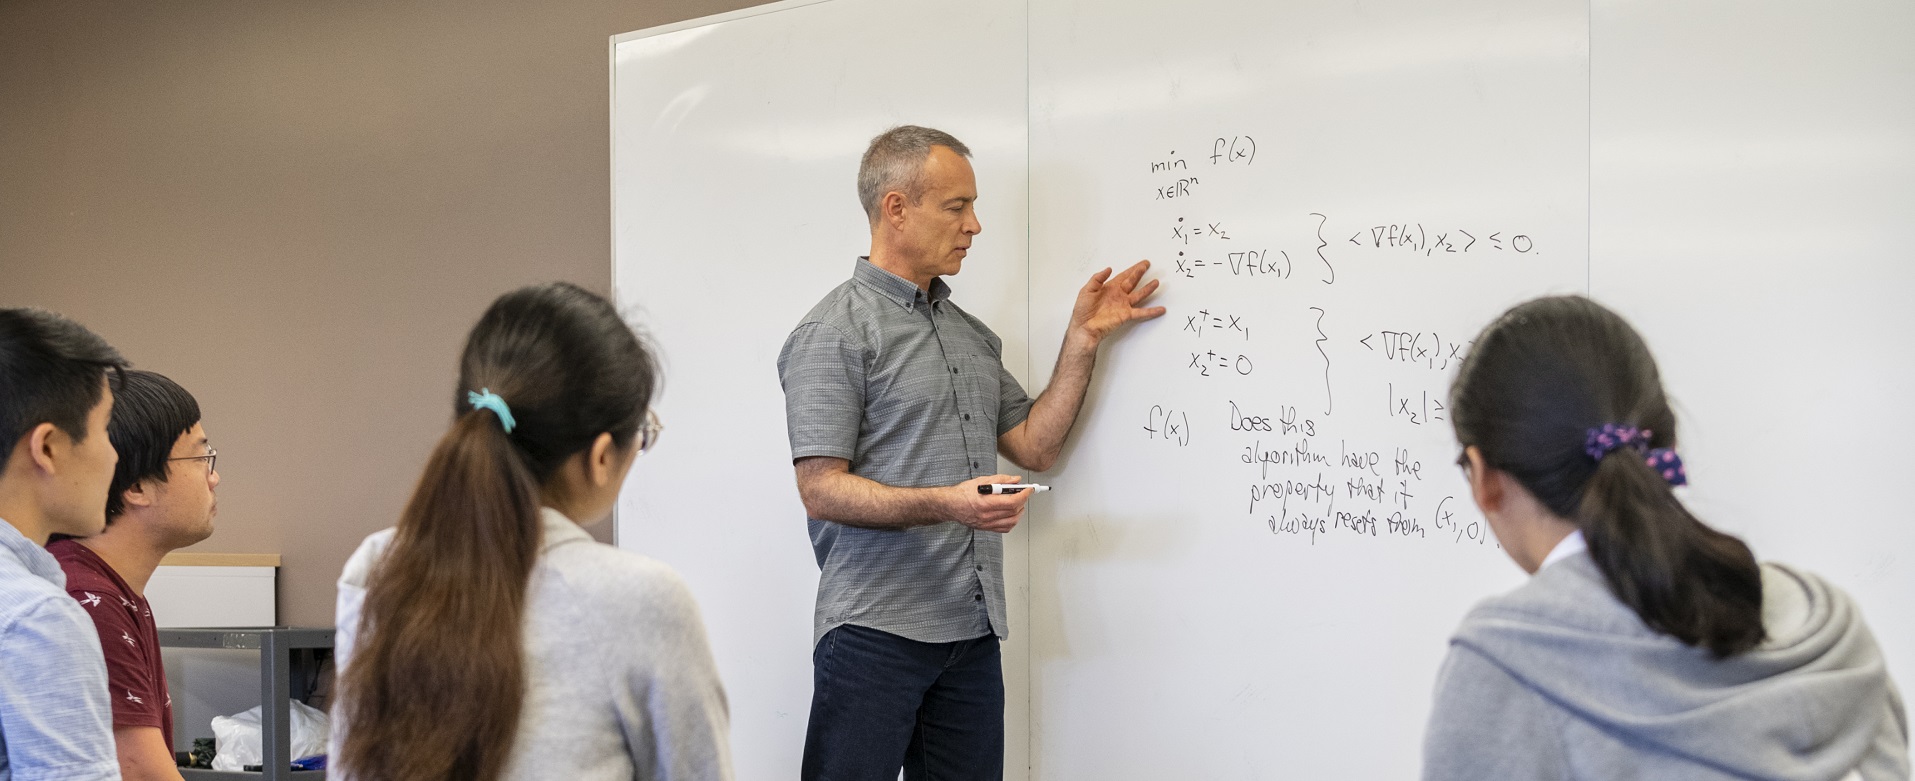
(236, 737)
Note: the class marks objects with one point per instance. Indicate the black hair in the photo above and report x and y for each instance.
(568, 366)
(50, 372)
(1535, 382)
(435, 690)
(150, 414)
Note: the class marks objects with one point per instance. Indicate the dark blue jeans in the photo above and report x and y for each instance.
(880, 702)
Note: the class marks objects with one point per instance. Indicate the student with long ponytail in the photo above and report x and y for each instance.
(487, 637)
(1647, 644)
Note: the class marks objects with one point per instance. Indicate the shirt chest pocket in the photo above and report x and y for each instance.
(976, 381)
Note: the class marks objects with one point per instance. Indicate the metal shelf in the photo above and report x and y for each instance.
(253, 638)
(199, 774)
(280, 648)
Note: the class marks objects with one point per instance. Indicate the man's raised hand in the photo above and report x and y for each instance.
(1106, 303)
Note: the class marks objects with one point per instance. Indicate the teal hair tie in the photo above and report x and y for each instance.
(484, 398)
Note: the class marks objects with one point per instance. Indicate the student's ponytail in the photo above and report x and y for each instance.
(1681, 577)
(1539, 387)
(435, 689)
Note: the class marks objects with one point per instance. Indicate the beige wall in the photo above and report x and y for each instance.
(296, 210)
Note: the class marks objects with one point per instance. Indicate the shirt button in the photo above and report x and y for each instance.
(978, 598)
(954, 370)
(980, 568)
(973, 464)
(967, 416)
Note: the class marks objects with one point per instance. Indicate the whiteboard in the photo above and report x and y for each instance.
(1259, 542)
(1752, 197)
(735, 147)
(1389, 175)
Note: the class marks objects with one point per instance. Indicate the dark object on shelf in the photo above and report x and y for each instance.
(315, 762)
(289, 659)
(200, 757)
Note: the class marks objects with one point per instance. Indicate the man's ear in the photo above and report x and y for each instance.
(139, 494)
(891, 209)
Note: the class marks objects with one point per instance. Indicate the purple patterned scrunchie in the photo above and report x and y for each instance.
(1608, 437)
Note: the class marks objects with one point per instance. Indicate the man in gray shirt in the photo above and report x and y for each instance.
(898, 404)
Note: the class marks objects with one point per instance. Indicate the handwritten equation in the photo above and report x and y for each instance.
(1225, 323)
(1223, 151)
(1425, 348)
(1413, 237)
(1298, 463)
(1211, 363)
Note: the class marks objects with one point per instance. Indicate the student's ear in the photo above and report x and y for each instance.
(138, 494)
(43, 442)
(601, 462)
(1485, 484)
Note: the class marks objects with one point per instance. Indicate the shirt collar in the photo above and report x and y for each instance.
(1569, 546)
(896, 288)
(35, 558)
(559, 529)
(71, 551)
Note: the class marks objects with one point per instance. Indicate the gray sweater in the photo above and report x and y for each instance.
(1560, 680)
(620, 682)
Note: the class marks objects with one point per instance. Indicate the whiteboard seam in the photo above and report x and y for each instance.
(611, 202)
(1030, 370)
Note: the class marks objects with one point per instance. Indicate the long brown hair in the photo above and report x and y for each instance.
(1535, 382)
(435, 688)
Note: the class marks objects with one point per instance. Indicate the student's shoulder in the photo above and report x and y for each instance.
(1548, 596)
(598, 565)
(42, 616)
(84, 580)
(23, 591)
(1568, 593)
(371, 550)
(82, 568)
(621, 582)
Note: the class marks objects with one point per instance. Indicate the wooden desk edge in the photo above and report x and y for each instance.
(220, 560)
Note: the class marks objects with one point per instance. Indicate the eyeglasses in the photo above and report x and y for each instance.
(648, 432)
(211, 458)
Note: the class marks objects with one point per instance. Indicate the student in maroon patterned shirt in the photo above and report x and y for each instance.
(161, 499)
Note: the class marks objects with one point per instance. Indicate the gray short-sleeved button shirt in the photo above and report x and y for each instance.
(913, 392)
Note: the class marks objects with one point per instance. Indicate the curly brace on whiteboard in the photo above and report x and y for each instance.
(898, 404)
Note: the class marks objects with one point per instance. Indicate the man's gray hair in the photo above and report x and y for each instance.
(895, 161)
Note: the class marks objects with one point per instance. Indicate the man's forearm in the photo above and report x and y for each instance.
(1055, 411)
(833, 494)
(144, 755)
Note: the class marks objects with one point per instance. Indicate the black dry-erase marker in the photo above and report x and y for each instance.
(1010, 488)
